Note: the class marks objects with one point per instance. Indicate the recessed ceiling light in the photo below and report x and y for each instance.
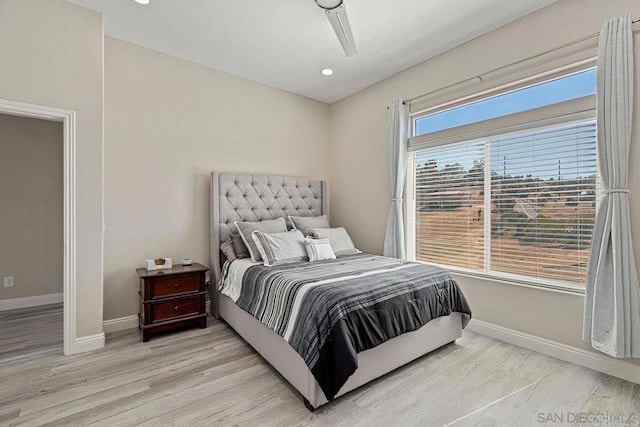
(143, 1)
(327, 72)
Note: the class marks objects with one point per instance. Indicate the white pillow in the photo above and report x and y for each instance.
(319, 249)
(278, 248)
(340, 240)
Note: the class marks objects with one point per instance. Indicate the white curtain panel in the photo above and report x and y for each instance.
(612, 304)
(394, 242)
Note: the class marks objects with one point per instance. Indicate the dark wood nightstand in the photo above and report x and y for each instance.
(172, 299)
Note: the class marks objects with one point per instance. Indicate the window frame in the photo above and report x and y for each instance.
(567, 112)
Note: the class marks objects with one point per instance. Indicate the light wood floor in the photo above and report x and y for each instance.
(30, 333)
(210, 377)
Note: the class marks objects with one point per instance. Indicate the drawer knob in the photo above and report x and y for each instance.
(176, 308)
(176, 285)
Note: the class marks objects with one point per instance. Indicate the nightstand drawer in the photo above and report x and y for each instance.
(175, 308)
(175, 286)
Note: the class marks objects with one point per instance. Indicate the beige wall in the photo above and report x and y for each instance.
(31, 213)
(359, 155)
(51, 54)
(168, 124)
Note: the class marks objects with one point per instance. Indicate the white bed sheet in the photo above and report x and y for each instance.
(231, 286)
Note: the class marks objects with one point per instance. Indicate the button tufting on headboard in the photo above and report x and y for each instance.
(247, 197)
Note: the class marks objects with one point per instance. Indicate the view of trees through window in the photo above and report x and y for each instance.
(534, 218)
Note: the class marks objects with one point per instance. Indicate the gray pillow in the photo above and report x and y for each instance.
(306, 224)
(279, 248)
(227, 250)
(267, 226)
(340, 240)
(239, 247)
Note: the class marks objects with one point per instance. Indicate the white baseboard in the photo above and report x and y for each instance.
(127, 322)
(598, 362)
(26, 302)
(88, 343)
(120, 324)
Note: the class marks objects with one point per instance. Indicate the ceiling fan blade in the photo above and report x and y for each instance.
(340, 23)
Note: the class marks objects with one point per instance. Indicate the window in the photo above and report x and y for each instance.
(540, 95)
(518, 200)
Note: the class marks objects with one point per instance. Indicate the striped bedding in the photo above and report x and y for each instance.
(329, 311)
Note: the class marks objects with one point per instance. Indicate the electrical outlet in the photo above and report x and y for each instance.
(8, 282)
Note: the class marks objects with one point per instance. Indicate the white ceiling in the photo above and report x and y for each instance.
(286, 43)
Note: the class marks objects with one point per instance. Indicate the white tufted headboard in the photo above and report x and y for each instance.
(256, 197)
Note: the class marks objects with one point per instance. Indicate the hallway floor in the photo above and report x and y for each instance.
(30, 333)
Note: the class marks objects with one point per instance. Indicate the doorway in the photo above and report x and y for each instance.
(30, 285)
(31, 252)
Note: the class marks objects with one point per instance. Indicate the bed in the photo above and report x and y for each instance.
(256, 197)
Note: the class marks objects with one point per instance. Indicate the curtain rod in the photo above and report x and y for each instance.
(479, 76)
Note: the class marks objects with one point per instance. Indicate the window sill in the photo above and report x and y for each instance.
(496, 278)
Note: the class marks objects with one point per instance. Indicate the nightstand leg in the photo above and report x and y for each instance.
(146, 335)
(203, 323)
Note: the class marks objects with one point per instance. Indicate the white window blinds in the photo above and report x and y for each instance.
(449, 195)
(530, 212)
(543, 199)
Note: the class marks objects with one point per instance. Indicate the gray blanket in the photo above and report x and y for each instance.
(329, 311)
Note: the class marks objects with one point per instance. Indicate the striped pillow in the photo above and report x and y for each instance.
(278, 248)
(245, 229)
(319, 249)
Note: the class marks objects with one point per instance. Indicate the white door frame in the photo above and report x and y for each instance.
(68, 118)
